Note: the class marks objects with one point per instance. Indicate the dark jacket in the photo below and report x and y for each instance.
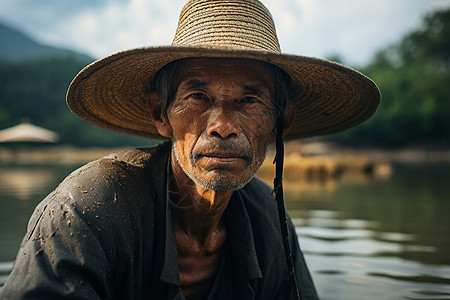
(105, 233)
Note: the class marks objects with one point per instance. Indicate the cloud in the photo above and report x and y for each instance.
(354, 29)
(118, 26)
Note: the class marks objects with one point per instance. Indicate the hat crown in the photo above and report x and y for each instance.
(239, 24)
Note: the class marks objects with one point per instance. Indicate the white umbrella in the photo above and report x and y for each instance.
(26, 132)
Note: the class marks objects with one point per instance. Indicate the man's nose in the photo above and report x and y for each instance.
(223, 124)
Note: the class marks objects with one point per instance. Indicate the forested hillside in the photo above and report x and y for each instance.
(414, 78)
(34, 79)
(16, 46)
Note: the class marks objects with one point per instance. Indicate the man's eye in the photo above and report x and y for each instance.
(250, 100)
(199, 96)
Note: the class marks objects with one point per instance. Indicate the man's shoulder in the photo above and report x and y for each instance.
(258, 192)
(139, 157)
(118, 186)
(259, 201)
(125, 166)
(127, 176)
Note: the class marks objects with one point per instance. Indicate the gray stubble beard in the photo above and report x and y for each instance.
(221, 183)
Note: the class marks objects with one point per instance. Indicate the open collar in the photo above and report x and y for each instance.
(240, 239)
(240, 242)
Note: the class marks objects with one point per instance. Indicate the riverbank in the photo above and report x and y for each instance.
(319, 162)
(406, 155)
(303, 159)
(53, 155)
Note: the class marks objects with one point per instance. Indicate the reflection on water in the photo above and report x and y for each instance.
(23, 183)
(21, 189)
(378, 239)
(363, 237)
(351, 255)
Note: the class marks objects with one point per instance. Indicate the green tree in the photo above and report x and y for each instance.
(413, 76)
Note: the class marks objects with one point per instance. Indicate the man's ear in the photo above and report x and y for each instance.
(289, 116)
(160, 122)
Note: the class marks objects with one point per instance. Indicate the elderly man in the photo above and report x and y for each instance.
(187, 219)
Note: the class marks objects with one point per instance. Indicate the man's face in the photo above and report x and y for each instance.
(222, 119)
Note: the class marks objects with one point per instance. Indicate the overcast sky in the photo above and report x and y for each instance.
(353, 29)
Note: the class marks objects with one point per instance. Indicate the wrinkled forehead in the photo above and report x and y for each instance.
(235, 69)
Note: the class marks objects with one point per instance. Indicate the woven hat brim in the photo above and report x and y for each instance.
(112, 92)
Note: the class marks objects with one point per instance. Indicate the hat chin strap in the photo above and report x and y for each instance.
(279, 198)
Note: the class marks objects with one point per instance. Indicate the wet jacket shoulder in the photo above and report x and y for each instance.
(92, 229)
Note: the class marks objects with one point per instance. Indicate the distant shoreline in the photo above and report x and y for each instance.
(73, 155)
(409, 155)
(53, 155)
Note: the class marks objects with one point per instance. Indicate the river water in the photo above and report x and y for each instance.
(363, 238)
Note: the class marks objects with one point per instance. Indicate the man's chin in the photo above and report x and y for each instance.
(221, 183)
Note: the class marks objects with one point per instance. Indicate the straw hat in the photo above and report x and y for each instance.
(112, 92)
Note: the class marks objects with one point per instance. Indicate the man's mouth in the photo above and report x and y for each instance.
(222, 157)
(220, 154)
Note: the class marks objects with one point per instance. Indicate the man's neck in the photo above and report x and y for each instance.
(195, 211)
